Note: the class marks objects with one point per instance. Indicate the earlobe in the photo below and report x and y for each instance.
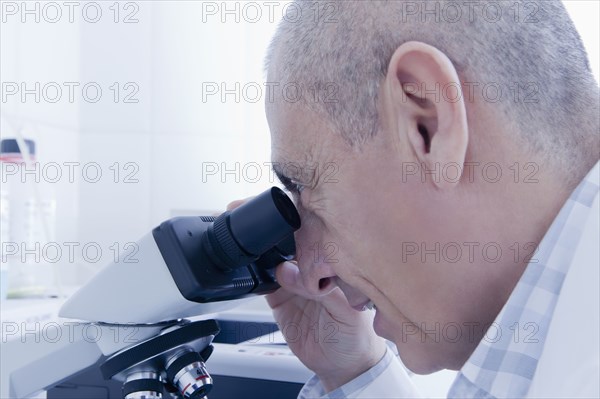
(420, 77)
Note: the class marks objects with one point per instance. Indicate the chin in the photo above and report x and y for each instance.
(426, 359)
(420, 367)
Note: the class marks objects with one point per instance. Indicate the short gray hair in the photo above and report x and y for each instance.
(534, 42)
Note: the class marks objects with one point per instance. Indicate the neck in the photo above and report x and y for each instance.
(521, 213)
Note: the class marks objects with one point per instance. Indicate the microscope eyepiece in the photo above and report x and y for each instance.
(233, 255)
(241, 236)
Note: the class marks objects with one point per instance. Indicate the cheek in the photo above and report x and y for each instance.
(368, 246)
(318, 242)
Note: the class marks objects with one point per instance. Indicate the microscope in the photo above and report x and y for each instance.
(188, 266)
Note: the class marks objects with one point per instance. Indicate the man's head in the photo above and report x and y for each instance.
(419, 137)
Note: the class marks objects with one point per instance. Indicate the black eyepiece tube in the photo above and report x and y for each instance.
(241, 236)
(263, 222)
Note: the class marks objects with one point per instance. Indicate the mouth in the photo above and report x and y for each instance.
(356, 299)
(367, 305)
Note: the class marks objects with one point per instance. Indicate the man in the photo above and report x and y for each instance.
(445, 172)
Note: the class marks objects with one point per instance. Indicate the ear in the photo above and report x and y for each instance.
(428, 105)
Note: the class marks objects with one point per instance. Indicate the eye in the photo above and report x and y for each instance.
(292, 185)
(296, 187)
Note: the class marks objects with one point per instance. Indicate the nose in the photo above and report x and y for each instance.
(316, 270)
(317, 278)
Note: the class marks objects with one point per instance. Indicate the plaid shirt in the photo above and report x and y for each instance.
(503, 364)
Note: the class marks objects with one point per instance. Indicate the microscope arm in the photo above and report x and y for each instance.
(141, 292)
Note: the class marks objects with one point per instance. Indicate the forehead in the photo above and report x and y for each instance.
(297, 134)
(303, 145)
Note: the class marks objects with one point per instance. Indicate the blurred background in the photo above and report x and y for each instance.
(140, 111)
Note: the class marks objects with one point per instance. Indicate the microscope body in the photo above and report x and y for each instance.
(146, 291)
(186, 267)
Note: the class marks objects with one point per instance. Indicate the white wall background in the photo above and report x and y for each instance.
(167, 136)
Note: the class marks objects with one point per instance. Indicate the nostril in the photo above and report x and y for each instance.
(324, 283)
